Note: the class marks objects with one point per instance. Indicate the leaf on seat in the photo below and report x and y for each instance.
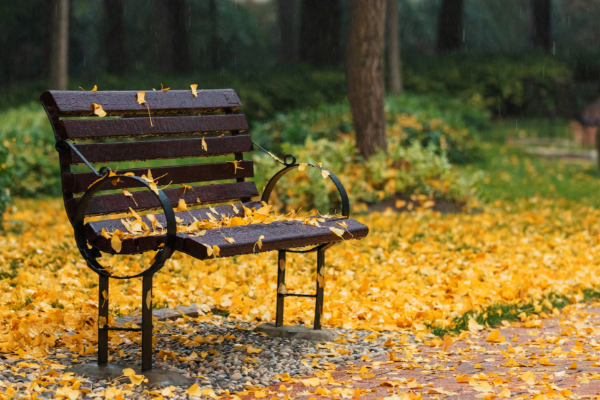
(128, 194)
(98, 110)
(204, 144)
(194, 87)
(115, 243)
(259, 242)
(181, 206)
(337, 232)
(164, 89)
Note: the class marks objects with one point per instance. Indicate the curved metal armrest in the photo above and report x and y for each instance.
(91, 255)
(290, 166)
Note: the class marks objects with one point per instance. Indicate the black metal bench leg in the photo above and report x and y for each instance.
(280, 286)
(103, 316)
(147, 322)
(320, 288)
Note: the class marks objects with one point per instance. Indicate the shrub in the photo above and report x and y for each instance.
(31, 162)
(447, 124)
(502, 84)
(412, 169)
(4, 189)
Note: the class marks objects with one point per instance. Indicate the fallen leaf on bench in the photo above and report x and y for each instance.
(204, 144)
(235, 209)
(141, 99)
(164, 89)
(235, 166)
(149, 300)
(194, 87)
(101, 322)
(325, 173)
(281, 289)
(115, 243)
(181, 206)
(128, 194)
(216, 250)
(259, 242)
(302, 166)
(98, 110)
(137, 379)
(337, 232)
(229, 240)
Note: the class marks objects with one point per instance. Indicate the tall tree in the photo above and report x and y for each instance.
(365, 74)
(213, 15)
(394, 60)
(320, 29)
(59, 50)
(287, 12)
(450, 25)
(179, 30)
(541, 37)
(115, 38)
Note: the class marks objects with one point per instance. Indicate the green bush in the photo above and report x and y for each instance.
(447, 124)
(4, 189)
(503, 84)
(31, 163)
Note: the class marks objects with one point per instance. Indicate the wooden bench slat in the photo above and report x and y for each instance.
(118, 203)
(79, 103)
(158, 149)
(80, 182)
(140, 127)
(277, 236)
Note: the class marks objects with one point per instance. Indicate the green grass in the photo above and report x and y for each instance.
(507, 172)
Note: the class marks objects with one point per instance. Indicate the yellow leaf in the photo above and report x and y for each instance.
(505, 393)
(115, 243)
(573, 366)
(141, 97)
(128, 372)
(259, 243)
(325, 173)
(204, 144)
(234, 208)
(477, 366)
(194, 390)
(337, 232)
(164, 89)
(194, 87)
(216, 250)
(528, 377)
(98, 110)
(181, 206)
(101, 322)
(128, 194)
(95, 88)
(302, 166)
(311, 382)
(447, 342)
(149, 300)
(252, 350)
(545, 361)
(229, 240)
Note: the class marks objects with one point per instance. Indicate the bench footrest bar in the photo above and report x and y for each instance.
(296, 295)
(114, 328)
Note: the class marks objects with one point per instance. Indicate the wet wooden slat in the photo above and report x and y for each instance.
(158, 149)
(65, 103)
(277, 236)
(80, 182)
(117, 203)
(140, 127)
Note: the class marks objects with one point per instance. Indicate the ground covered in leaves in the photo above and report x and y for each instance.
(415, 274)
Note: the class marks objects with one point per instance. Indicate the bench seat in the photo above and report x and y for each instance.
(278, 235)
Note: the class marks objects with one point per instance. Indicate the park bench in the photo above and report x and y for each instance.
(176, 118)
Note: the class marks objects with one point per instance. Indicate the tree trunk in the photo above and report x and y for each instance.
(320, 32)
(450, 25)
(394, 61)
(59, 51)
(213, 15)
(163, 38)
(541, 37)
(365, 74)
(179, 28)
(287, 11)
(115, 38)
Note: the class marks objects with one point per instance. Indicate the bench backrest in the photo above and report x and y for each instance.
(174, 113)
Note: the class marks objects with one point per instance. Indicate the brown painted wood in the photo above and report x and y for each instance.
(117, 203)
(277, 236)
(158, 149)
(79, 103)
(79, 183)
(101, 128)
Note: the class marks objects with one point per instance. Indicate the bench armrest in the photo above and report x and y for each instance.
(92, 254)
(290, 166)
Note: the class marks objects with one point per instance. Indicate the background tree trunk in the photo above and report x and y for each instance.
(394, 60)
(365, 74)
(179, 27)
(541, 37)
(450, 25)
(115, 37)
(320, 29)
(287, 13)
(213, 15)
(163, 41)
(59, 50)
